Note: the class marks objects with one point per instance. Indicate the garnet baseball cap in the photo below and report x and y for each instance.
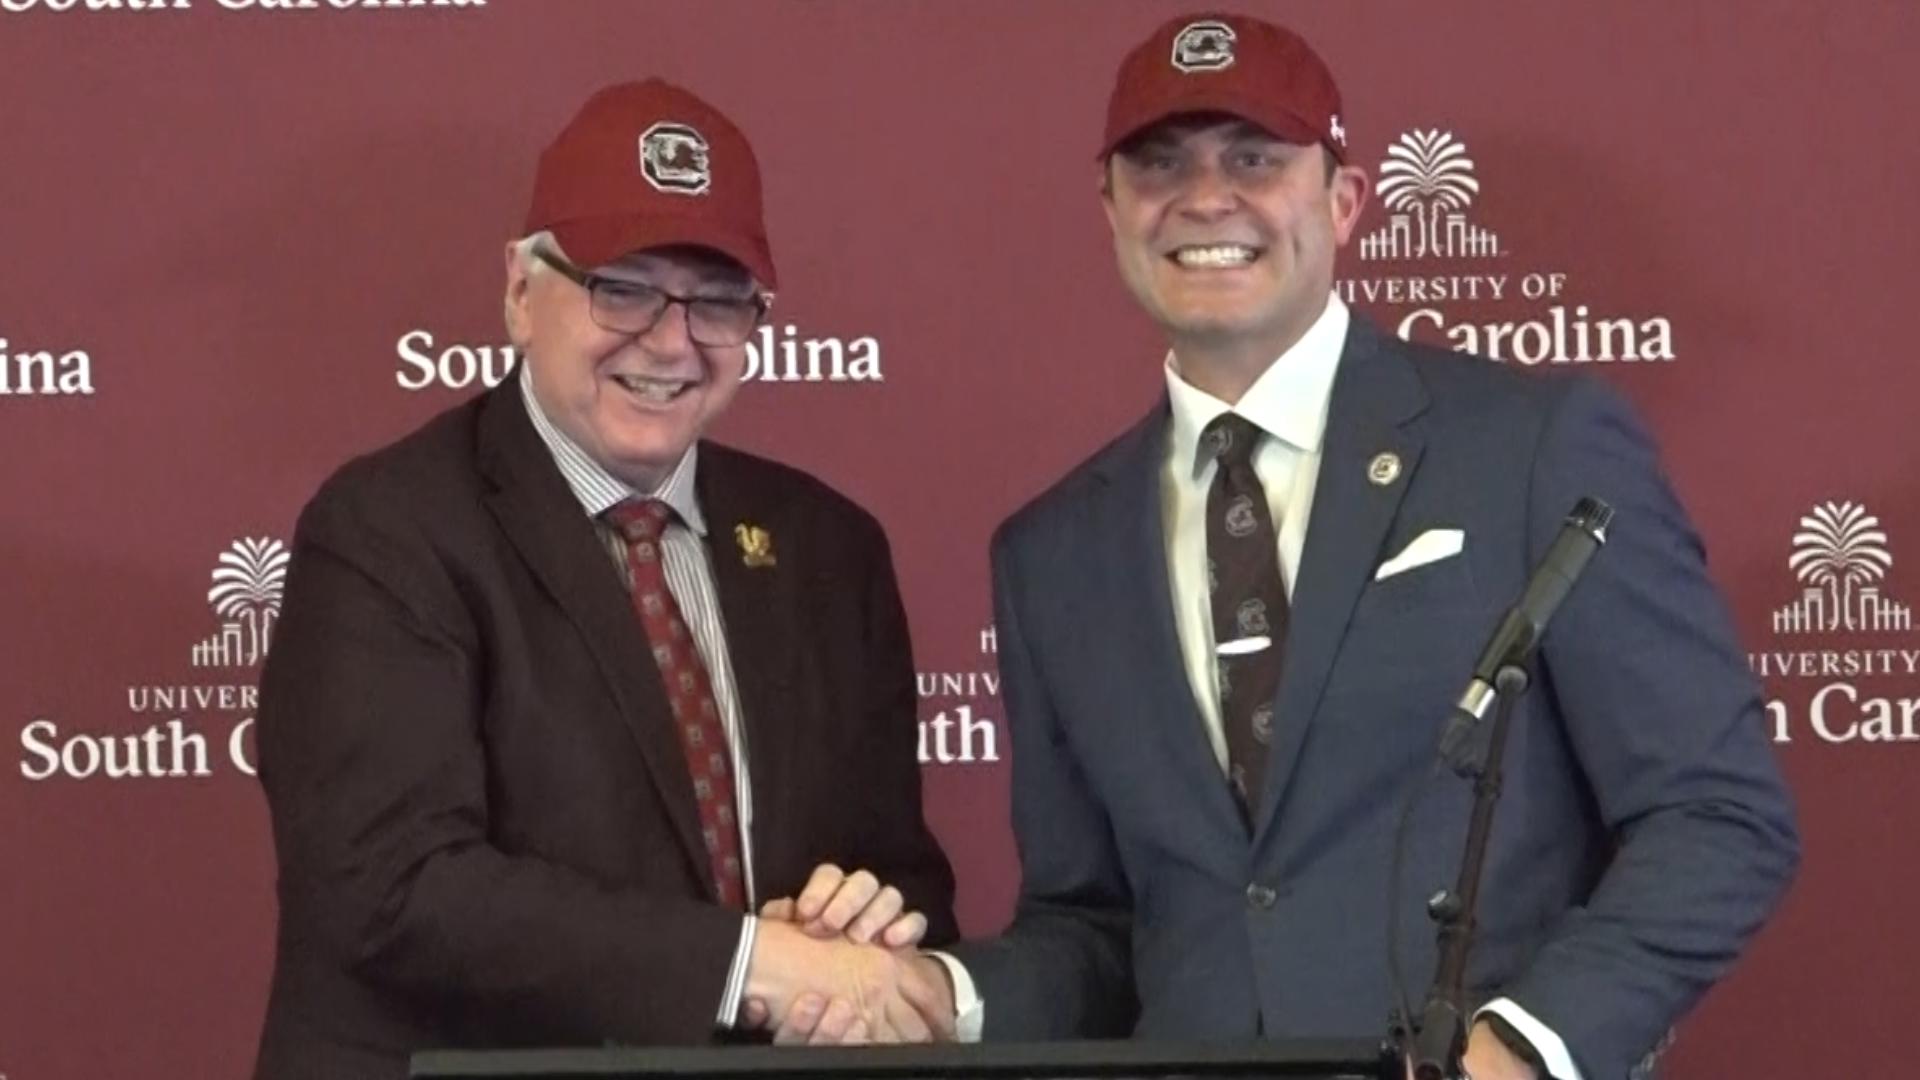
(1233, 64)
(646, 165)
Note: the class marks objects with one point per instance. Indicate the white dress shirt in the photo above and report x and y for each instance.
(1288, 402)
(690, 579)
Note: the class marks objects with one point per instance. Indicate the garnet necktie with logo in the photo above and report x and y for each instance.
(696, 712)
(1249, 601)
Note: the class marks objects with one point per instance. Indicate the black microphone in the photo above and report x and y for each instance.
(1518, 634)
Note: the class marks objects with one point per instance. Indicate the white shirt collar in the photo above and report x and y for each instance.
(599, 490)
(1288, 400)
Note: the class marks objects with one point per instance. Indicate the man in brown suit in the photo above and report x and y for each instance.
(561, 692)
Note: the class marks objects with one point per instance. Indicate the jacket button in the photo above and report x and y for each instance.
(1260, 897)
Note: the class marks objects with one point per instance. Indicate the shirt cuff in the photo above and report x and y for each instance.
(1552, 1051)
(969, 1012)
(737, 974)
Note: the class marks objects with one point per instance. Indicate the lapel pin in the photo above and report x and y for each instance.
(756, 545)
(1384, 469)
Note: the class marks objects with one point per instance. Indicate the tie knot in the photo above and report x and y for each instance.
(1230, 439)
(640, 519)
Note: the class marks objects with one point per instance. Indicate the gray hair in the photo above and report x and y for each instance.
(523, 256)
(524, 248)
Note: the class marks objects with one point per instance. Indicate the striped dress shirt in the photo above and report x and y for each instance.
(690, 578)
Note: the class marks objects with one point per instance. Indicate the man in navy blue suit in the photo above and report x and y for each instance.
(1227, 641)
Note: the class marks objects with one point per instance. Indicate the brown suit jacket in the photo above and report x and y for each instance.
(485, 829)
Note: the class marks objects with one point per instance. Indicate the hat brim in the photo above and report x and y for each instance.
(1269, 117)
(597, 241)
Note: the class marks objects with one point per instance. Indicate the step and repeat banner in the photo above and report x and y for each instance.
(243, 240)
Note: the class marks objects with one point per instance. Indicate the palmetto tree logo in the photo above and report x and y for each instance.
(1840, 555)
(1428, 168)
(1427, 183)
(248, 584)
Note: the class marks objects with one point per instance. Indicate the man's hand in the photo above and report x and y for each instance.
(818, 990)
(816, 1021)
(856, 905)
(835, 905)
(925, 984)
(1487, 1058)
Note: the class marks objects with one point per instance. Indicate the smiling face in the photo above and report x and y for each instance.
(1226, 234)
(633, 402)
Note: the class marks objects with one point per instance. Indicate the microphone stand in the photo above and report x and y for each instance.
(1440, 1034)
(1438, 1037)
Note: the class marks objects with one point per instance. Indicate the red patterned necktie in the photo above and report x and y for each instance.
(689, 692)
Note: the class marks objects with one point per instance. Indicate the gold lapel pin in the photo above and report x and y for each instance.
(756, 545)
(1384, 469)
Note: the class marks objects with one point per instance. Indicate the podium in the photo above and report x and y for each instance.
(1295, 1059)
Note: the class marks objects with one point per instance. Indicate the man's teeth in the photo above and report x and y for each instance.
(1217, 255)
(654, 389)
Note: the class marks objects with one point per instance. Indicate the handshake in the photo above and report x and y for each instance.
(839, 964)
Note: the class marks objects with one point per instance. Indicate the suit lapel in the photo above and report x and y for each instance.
(758, 614)
(1126, 525)
(1376, 402)
(545, 523)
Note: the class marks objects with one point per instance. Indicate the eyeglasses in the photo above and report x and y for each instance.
(630, 307)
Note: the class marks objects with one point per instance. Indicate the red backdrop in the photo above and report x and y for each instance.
(239, 244)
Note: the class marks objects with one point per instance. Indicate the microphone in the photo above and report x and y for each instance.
(1518, 635)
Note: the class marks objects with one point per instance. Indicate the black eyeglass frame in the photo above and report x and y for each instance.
(759, 302)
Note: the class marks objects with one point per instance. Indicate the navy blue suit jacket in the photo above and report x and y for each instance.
(1644, 835)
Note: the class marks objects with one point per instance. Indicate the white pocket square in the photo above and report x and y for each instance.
(1430, 546)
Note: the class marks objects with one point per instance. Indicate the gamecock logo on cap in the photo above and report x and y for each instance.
(673, 157)
(1204, 46)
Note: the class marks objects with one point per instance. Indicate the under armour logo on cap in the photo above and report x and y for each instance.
(1204, 46)
(673, 157)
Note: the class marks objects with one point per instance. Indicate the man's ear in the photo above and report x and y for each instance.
(519, 286)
